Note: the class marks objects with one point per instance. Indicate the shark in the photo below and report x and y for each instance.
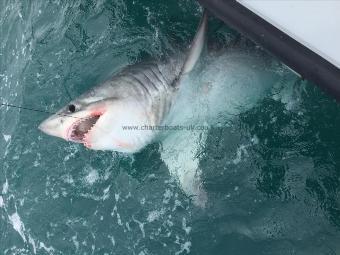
(139, 95)
(116, 114)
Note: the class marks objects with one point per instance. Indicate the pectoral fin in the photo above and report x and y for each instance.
(180, 152)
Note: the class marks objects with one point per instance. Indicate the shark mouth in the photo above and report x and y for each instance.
(80, 129)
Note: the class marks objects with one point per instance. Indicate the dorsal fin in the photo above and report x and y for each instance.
(195, 49)
(197, 45)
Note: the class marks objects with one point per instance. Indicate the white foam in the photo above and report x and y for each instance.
(32, 242)
(154, 215)
(7, 137)
(43, 246)
(119, 220)
(167, 196)
(255, 140)
(240, 151)
(184, 247)
(18, 225)
(75, 242)
(2, 203)
(117, 197)
(112, 240)
(185, 227)
(92, 177)
(141, 226)
(5, 187)
(106, 192)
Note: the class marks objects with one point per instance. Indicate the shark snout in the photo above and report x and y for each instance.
(45, 127)
(51, 127)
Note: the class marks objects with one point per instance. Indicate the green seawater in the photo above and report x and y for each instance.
(272, 174)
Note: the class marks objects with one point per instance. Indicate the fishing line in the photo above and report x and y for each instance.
(43, 111)
(67, 92)
(37, 110)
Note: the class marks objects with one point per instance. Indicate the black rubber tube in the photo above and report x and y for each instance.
(298, 57)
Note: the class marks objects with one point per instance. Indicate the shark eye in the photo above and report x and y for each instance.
(72, 108)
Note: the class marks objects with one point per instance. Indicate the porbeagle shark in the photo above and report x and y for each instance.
(140, 95)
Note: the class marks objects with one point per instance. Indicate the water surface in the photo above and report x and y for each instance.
(271, 173)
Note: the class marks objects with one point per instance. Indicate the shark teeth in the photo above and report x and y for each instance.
(86, 137)
(81, 128)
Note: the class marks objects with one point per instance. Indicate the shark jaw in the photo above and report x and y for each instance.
(80, 130)
(76, 127)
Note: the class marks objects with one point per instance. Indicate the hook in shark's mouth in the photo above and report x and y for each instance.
(81, 128)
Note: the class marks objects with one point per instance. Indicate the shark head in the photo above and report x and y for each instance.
(99, 123)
